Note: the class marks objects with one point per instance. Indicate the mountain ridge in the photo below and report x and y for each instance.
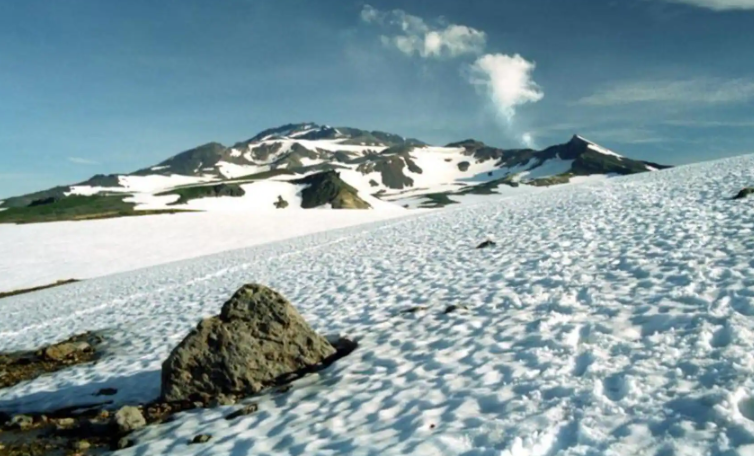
(374, 169)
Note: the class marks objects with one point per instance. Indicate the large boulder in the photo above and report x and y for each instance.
(258, 337)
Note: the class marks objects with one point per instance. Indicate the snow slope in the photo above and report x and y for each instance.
(614, 317)
(40, 254)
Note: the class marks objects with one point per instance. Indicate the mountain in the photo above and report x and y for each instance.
(307, 165)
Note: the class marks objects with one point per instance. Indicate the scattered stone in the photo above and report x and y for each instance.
(414, 309)
(124, 443)
(81, 445)
(201, 438)
(65, 351)
(432, 426)
(453, 307)
(221, 400)
(129, 419)
(65, 423)
(22, 366)
(246, 410)
(258, 337)
(22, 422)
(283, 389)
(106, 392)
(744, 193)
(485, 244)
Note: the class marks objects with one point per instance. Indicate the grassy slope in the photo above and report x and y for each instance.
(8, 294)
(75, 207)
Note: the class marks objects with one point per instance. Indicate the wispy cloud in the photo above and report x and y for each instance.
(82, 161)
(710, 123)
(719, 5)
(415, 36)
(692, 91)
(505, 79)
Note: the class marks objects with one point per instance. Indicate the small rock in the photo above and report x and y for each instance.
(485, 244)
(414, 309)
(103, 415)
(124, 443)
(66, 350)
(129, 419)
(201, 438)
(744, 193)
(283, 389)
(221, 400)
(106, 392)
(22, 422)
(246, 410)
(65, 423)
(453, 307)
(432, 426)
(81, 445)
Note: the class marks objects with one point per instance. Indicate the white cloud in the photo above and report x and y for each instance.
(719, 5)
(691, 91)
(416, 37)
(82, 161)
(507, 80)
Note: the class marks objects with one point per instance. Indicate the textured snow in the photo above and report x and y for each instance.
(614, 317)
(233, 170)
(597, 148)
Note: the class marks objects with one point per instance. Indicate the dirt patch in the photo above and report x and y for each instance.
(20, 366)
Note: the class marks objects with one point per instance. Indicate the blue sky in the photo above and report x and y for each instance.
(90, 87)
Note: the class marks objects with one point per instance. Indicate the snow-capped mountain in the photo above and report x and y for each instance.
(357, 168)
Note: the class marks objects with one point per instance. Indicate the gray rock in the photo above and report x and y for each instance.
(201, 438)
(129, 419)
(454, 307)
(246, 410)
(66, 350)
(258, 337)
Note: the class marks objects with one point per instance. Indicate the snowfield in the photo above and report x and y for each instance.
(613, 317)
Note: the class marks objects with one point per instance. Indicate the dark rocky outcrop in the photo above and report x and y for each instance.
(329, 188)
(280, 203)
(258, 337)
(463, 166)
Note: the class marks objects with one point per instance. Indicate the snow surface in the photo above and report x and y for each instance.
(597, 148)
(40, 254)
(613, 317)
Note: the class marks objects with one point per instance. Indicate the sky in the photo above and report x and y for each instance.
(90, 87)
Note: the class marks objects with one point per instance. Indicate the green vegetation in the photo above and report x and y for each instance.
(187, 194)
(74, 208)
(8, 294)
